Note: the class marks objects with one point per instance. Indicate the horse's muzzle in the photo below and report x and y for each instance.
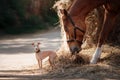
(74, 50)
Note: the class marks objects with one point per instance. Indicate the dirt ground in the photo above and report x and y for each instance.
(17, 53)
(17, 60)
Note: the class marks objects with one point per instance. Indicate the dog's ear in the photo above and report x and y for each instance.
(39, 43)
(33, 44)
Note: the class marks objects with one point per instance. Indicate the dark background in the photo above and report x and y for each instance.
(26, 16)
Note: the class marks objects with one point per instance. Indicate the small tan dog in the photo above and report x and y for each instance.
(41, 55)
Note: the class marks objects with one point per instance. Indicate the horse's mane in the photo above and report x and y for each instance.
(62, 4)
(90, 20)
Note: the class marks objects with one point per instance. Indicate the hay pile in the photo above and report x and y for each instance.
(68, 66)
(108, 67)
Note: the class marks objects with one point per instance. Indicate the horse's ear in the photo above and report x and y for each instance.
(63, 11)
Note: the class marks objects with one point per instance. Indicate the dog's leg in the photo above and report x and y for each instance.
(50, 61)
(40, 64)
(53, 60)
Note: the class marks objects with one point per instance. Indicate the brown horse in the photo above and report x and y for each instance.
(75, 27)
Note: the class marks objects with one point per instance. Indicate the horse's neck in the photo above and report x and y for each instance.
(75, 11)
(80, 8)
(76, 8)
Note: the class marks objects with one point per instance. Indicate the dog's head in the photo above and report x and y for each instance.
(36, 47)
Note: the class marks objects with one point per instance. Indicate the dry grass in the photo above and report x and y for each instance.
(107, 68)
(78, 67)
(71, 67)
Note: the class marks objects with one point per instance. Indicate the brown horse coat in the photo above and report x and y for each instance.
(75, 27)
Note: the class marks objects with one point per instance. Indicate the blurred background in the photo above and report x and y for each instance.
(22, 22)
(25, 16)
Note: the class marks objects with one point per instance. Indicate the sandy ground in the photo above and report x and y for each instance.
(17, 53)
(17, 60)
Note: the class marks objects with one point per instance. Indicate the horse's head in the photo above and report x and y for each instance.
(74, 33)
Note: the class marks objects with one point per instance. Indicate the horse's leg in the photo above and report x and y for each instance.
(107, 27)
